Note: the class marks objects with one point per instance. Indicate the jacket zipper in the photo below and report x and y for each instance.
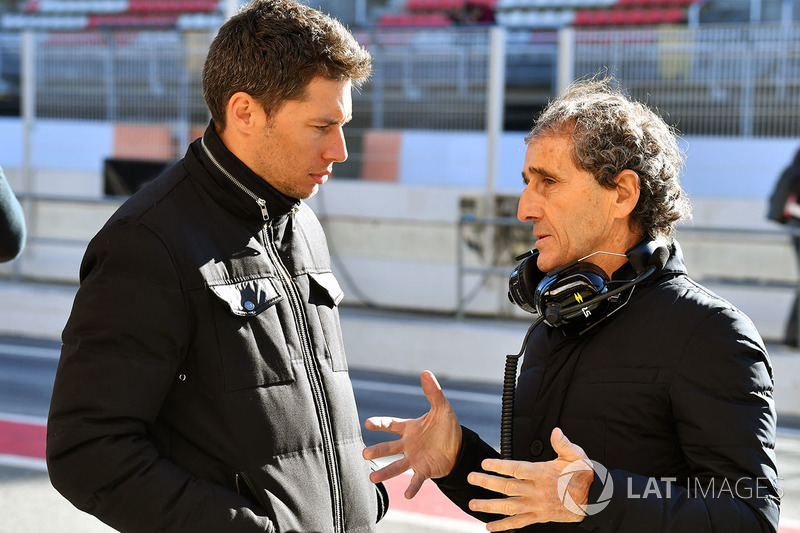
(315, 382)
(308, 355)
(262, 204)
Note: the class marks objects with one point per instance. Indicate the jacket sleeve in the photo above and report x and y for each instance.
(725, 419)
(12, 223)
(455, 485)
(128, 331)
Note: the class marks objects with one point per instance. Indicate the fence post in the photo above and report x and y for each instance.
(565, 70)
(746, 121)
(460, 303)
(494, 110)
(183, 125)
(379, 60)
(108, 75)
(28, 105)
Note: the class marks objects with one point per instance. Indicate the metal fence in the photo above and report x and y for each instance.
(121, 76)
(739, 80)
(421, 80)
(716, 80)
(426, 79)
(140, 77)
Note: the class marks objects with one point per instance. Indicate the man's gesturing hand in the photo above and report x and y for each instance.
(532, 488)
(429, 444)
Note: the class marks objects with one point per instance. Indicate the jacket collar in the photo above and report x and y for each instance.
(236, 187)
(674, 266)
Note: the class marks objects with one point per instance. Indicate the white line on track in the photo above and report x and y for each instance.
(23, 419)
(18, 461)
(29, 351)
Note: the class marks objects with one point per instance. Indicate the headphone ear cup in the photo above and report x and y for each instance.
(523, 282)
(560, 298)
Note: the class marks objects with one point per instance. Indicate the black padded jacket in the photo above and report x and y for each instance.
(202, 384)
(671, 396)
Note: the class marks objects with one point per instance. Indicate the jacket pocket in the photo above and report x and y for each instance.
(251, 339)
(246, 489)
(324, 297)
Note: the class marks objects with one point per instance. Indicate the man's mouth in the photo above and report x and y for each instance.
(320, 178)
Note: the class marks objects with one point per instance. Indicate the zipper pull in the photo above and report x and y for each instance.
(263, 205)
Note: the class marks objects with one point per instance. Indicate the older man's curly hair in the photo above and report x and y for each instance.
(611, 133)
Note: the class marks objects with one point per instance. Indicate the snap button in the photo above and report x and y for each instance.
(536, 447)
(182, 377)
(249, 305)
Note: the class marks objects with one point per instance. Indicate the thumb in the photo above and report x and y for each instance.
(432, 389)
(563, 447)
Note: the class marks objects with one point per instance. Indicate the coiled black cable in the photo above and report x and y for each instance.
(509, 386)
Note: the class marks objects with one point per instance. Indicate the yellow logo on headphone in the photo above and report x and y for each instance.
(578, 297)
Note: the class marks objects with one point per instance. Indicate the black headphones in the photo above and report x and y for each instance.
(579, 295)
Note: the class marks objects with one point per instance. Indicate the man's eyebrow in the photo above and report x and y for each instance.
(539, 171)
(332, 121)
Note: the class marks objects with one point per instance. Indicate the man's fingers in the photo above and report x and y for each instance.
(502, 485)
(383, 449)
(516, 469)
(414, 485)
(511, 507)
(564, 447)
(389, 471)
(512, 522)
(504, 506)
(432, 389)
(385, 423)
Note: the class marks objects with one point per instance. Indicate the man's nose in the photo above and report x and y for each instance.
(336, 149)
(526, 209)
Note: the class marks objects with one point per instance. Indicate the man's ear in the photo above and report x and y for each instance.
(627, 190)
(244, 113)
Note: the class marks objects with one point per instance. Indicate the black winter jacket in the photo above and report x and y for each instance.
(672, 394)
(202, 384)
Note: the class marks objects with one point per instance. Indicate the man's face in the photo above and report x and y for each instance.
(304, 138)
(571, 213)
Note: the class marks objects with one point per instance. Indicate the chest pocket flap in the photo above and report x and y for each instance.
(253, 345)
(247, 298)
(330, 289)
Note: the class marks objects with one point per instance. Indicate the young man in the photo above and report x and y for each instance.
(656, 413)
(202, 384)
